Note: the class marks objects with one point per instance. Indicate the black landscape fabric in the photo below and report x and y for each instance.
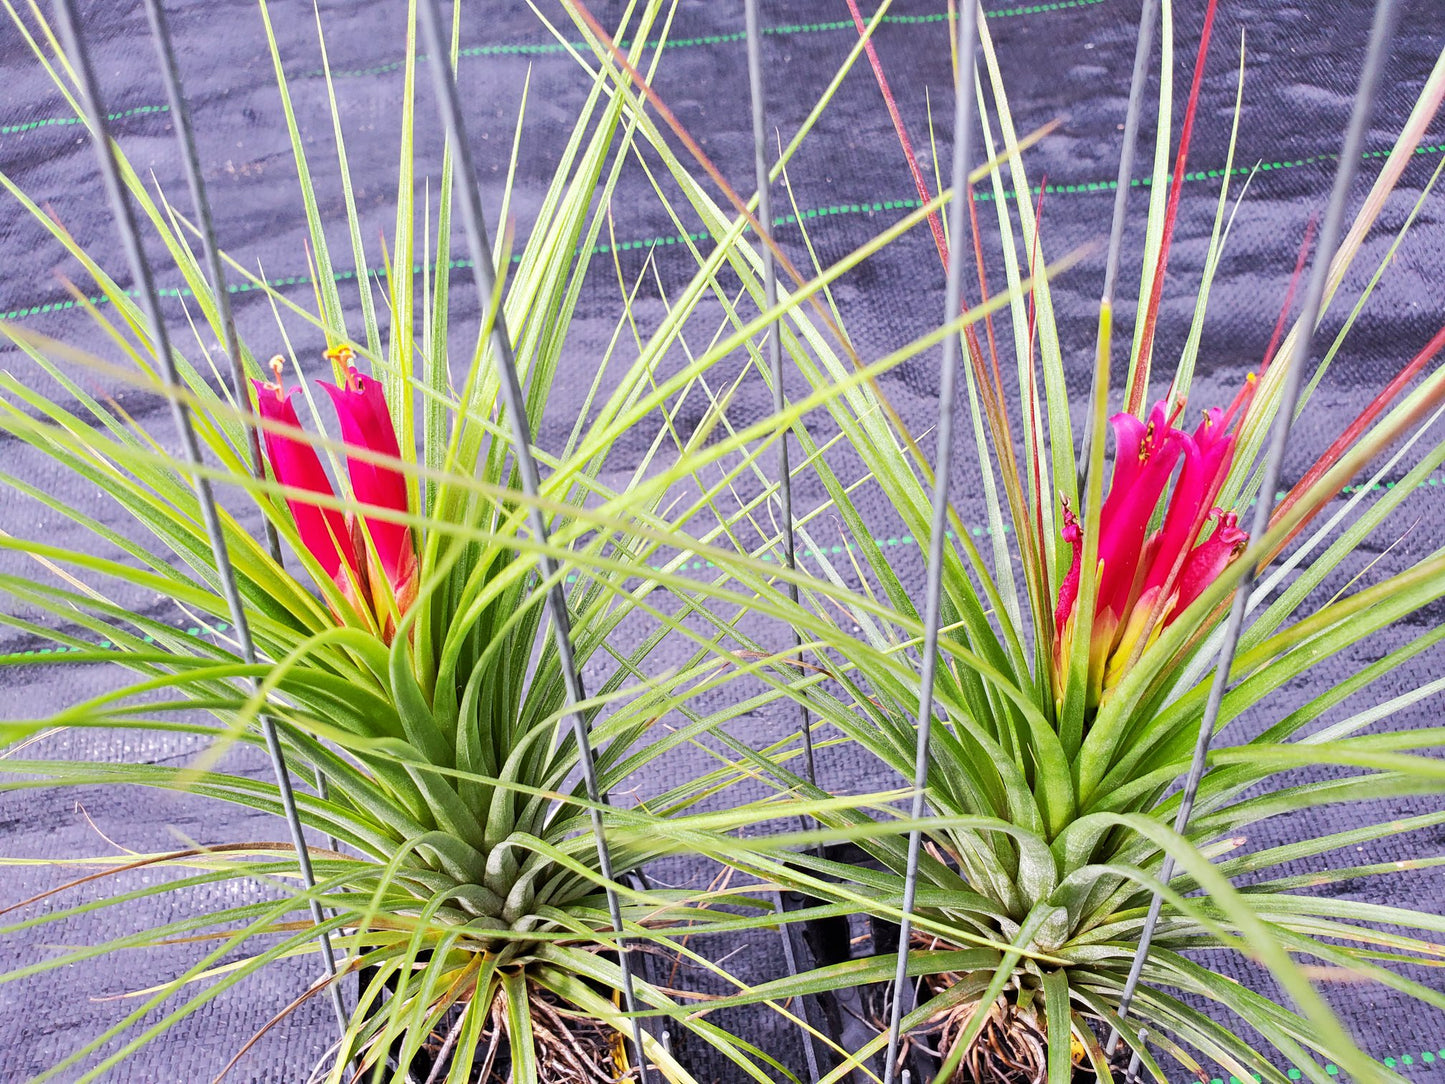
(1066, 61)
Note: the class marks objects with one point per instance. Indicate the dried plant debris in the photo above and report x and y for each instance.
(569, 1047)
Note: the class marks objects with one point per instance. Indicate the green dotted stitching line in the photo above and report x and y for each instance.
(553, 47)
(703, 235)
(11, 129)
(1428, 1057)
(822, 551)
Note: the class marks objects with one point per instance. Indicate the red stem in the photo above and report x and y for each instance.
(992, 396)
(1299, 267)
(934, 223)
(1352, 432)
(983, 294)
(1034, 395)
(1151, 313)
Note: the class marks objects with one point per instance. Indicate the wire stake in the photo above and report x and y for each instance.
(953, 309)
(450, 107)
(1350, 154)
(773, 338)
(75, 47)
(1147, 19)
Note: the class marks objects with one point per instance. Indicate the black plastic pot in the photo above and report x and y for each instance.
(848, 1013)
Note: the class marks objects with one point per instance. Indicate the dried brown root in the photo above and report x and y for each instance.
(1012, 1047)
(570, 1047)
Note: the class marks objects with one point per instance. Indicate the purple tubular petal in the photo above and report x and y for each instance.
(366, 423)
(1207, 458)
(1203, 566)
(1069, 589)
(295, 463)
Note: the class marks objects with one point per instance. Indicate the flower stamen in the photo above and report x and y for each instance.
(277, 387)
(341, 354)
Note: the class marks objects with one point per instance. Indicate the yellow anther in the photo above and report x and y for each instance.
(1146, 446)
(341, 353)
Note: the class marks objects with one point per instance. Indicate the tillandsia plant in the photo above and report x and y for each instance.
(404, 653)
(1075, 666)
(404, 649)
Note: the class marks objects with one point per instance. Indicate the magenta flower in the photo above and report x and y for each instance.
(366, 423)
(294, 462)
(333, 538)
(1145, 580)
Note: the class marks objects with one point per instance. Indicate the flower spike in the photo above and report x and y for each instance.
(386, 579)
(366, 424)
(295, 464)
(1144, 580)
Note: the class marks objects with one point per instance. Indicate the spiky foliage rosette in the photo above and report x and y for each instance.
(405, 651)
(1075, 661)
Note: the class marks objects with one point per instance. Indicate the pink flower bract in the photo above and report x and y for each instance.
(294, 462)
(1145, 580)
(366, 423)
(384, 583)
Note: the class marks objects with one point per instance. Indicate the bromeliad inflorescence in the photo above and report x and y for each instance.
(1145, 580)
(378, 579)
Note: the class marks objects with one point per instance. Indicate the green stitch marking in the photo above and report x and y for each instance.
(554, 48)
(47, 122)
(737, 36)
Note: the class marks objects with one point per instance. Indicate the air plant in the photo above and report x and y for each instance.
(1075, 668)
(405, 650)
(407, 653)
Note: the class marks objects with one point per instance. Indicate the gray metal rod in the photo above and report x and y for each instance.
(75, 47)
(790, 961)
(1380, 34)
(190, 156)
(932, 603)
(785, 474)
(450, 107)
(774, 336)
(1147, 19)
